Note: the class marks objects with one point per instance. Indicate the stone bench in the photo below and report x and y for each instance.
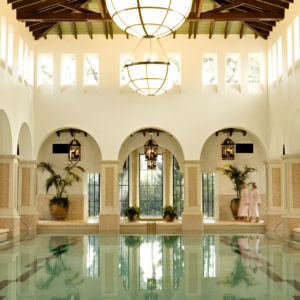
(3, 235)
(296, 233)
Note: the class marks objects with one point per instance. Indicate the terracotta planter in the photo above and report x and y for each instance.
(234, 206)
(132, 218)
(58, 212)
(169, 218)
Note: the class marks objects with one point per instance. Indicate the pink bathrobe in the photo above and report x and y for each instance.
(254, 200)
(244, 203)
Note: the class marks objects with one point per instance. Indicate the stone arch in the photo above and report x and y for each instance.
(25, 143)
(211, 159)
(5, 134)
(164, 139)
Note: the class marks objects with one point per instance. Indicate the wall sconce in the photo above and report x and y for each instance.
(228, 150)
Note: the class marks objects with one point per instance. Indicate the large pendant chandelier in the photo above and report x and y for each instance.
(149, 18)
(150, 78)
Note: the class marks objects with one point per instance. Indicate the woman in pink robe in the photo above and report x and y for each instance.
(255, 201)
(244, 203)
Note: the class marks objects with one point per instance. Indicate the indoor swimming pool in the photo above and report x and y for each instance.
(150, 267)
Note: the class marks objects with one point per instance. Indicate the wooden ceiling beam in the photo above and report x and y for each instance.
(199, 6)
(211, 29)
(59, 31)
(40, 25)
(261, 25)
(257, 31)
(242, 31)
(105, 30)
(90, 29)
(111, 32)
(236, 16)
(37, 35)
(101, 6)
(74, 29)
(226, 30)
(190, 29)
(63, 17)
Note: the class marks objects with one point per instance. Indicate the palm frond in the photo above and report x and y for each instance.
(46, 167)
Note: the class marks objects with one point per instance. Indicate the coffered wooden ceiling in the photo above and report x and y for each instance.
(210, 17)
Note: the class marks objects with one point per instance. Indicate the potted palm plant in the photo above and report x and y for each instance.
(237, 177)
(59, 204)
(132, 213)
(170, 213)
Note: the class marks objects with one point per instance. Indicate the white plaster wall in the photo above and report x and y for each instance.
(190, 113)
(16, 97)
(283, 97)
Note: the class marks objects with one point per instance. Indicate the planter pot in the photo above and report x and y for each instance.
(234, 206)
(168, 218)
(132, 218)
(58, 212)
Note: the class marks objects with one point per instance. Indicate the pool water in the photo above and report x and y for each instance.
(150, 267)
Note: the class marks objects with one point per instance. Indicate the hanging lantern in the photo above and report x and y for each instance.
(151, 149)
(149, 19)
(150, 78)
(228, 150)
(74, 150)
(151, 164)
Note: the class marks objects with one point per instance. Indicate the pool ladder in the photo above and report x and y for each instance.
(26, 225)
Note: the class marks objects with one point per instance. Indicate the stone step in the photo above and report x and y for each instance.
(3, 235)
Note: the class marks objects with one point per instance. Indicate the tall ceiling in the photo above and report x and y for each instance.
(210, 17)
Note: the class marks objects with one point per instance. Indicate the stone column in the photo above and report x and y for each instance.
(109, 217)
(26, 195)
(276, 200)
(168, 178)
(133, 178)
(9, 217)
(292, 181)
(192, 217)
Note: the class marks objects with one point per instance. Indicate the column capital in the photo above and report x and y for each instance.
(8, 157)
(291, 157)
(27, 162)
(192, 162)
(278, 161)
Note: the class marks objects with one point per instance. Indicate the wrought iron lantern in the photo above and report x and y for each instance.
(151, 164)
(228, 150)
(74, 150)
(149, 19)
(151, 149)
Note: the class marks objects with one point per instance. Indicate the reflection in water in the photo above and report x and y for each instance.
(56, 268)
(93, 257)
(209, 257)
(240, 272)
(150, 267)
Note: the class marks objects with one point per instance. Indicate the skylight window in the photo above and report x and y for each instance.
(31, 68)
(232, 71)
(91, 69)
(26, 62)
(125, 59)
(209, 69)
(296, 39)
(3, 39)
(175, 59)
(10, 47)
(289, 47)
(279, 56)
(270, 74)
(68, 69)
(255, 68)
(21, 53)
(45, 69)
(274, 62)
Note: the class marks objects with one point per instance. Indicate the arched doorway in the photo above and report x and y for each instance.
(151, 189)
(217, 190)
(84, 196)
